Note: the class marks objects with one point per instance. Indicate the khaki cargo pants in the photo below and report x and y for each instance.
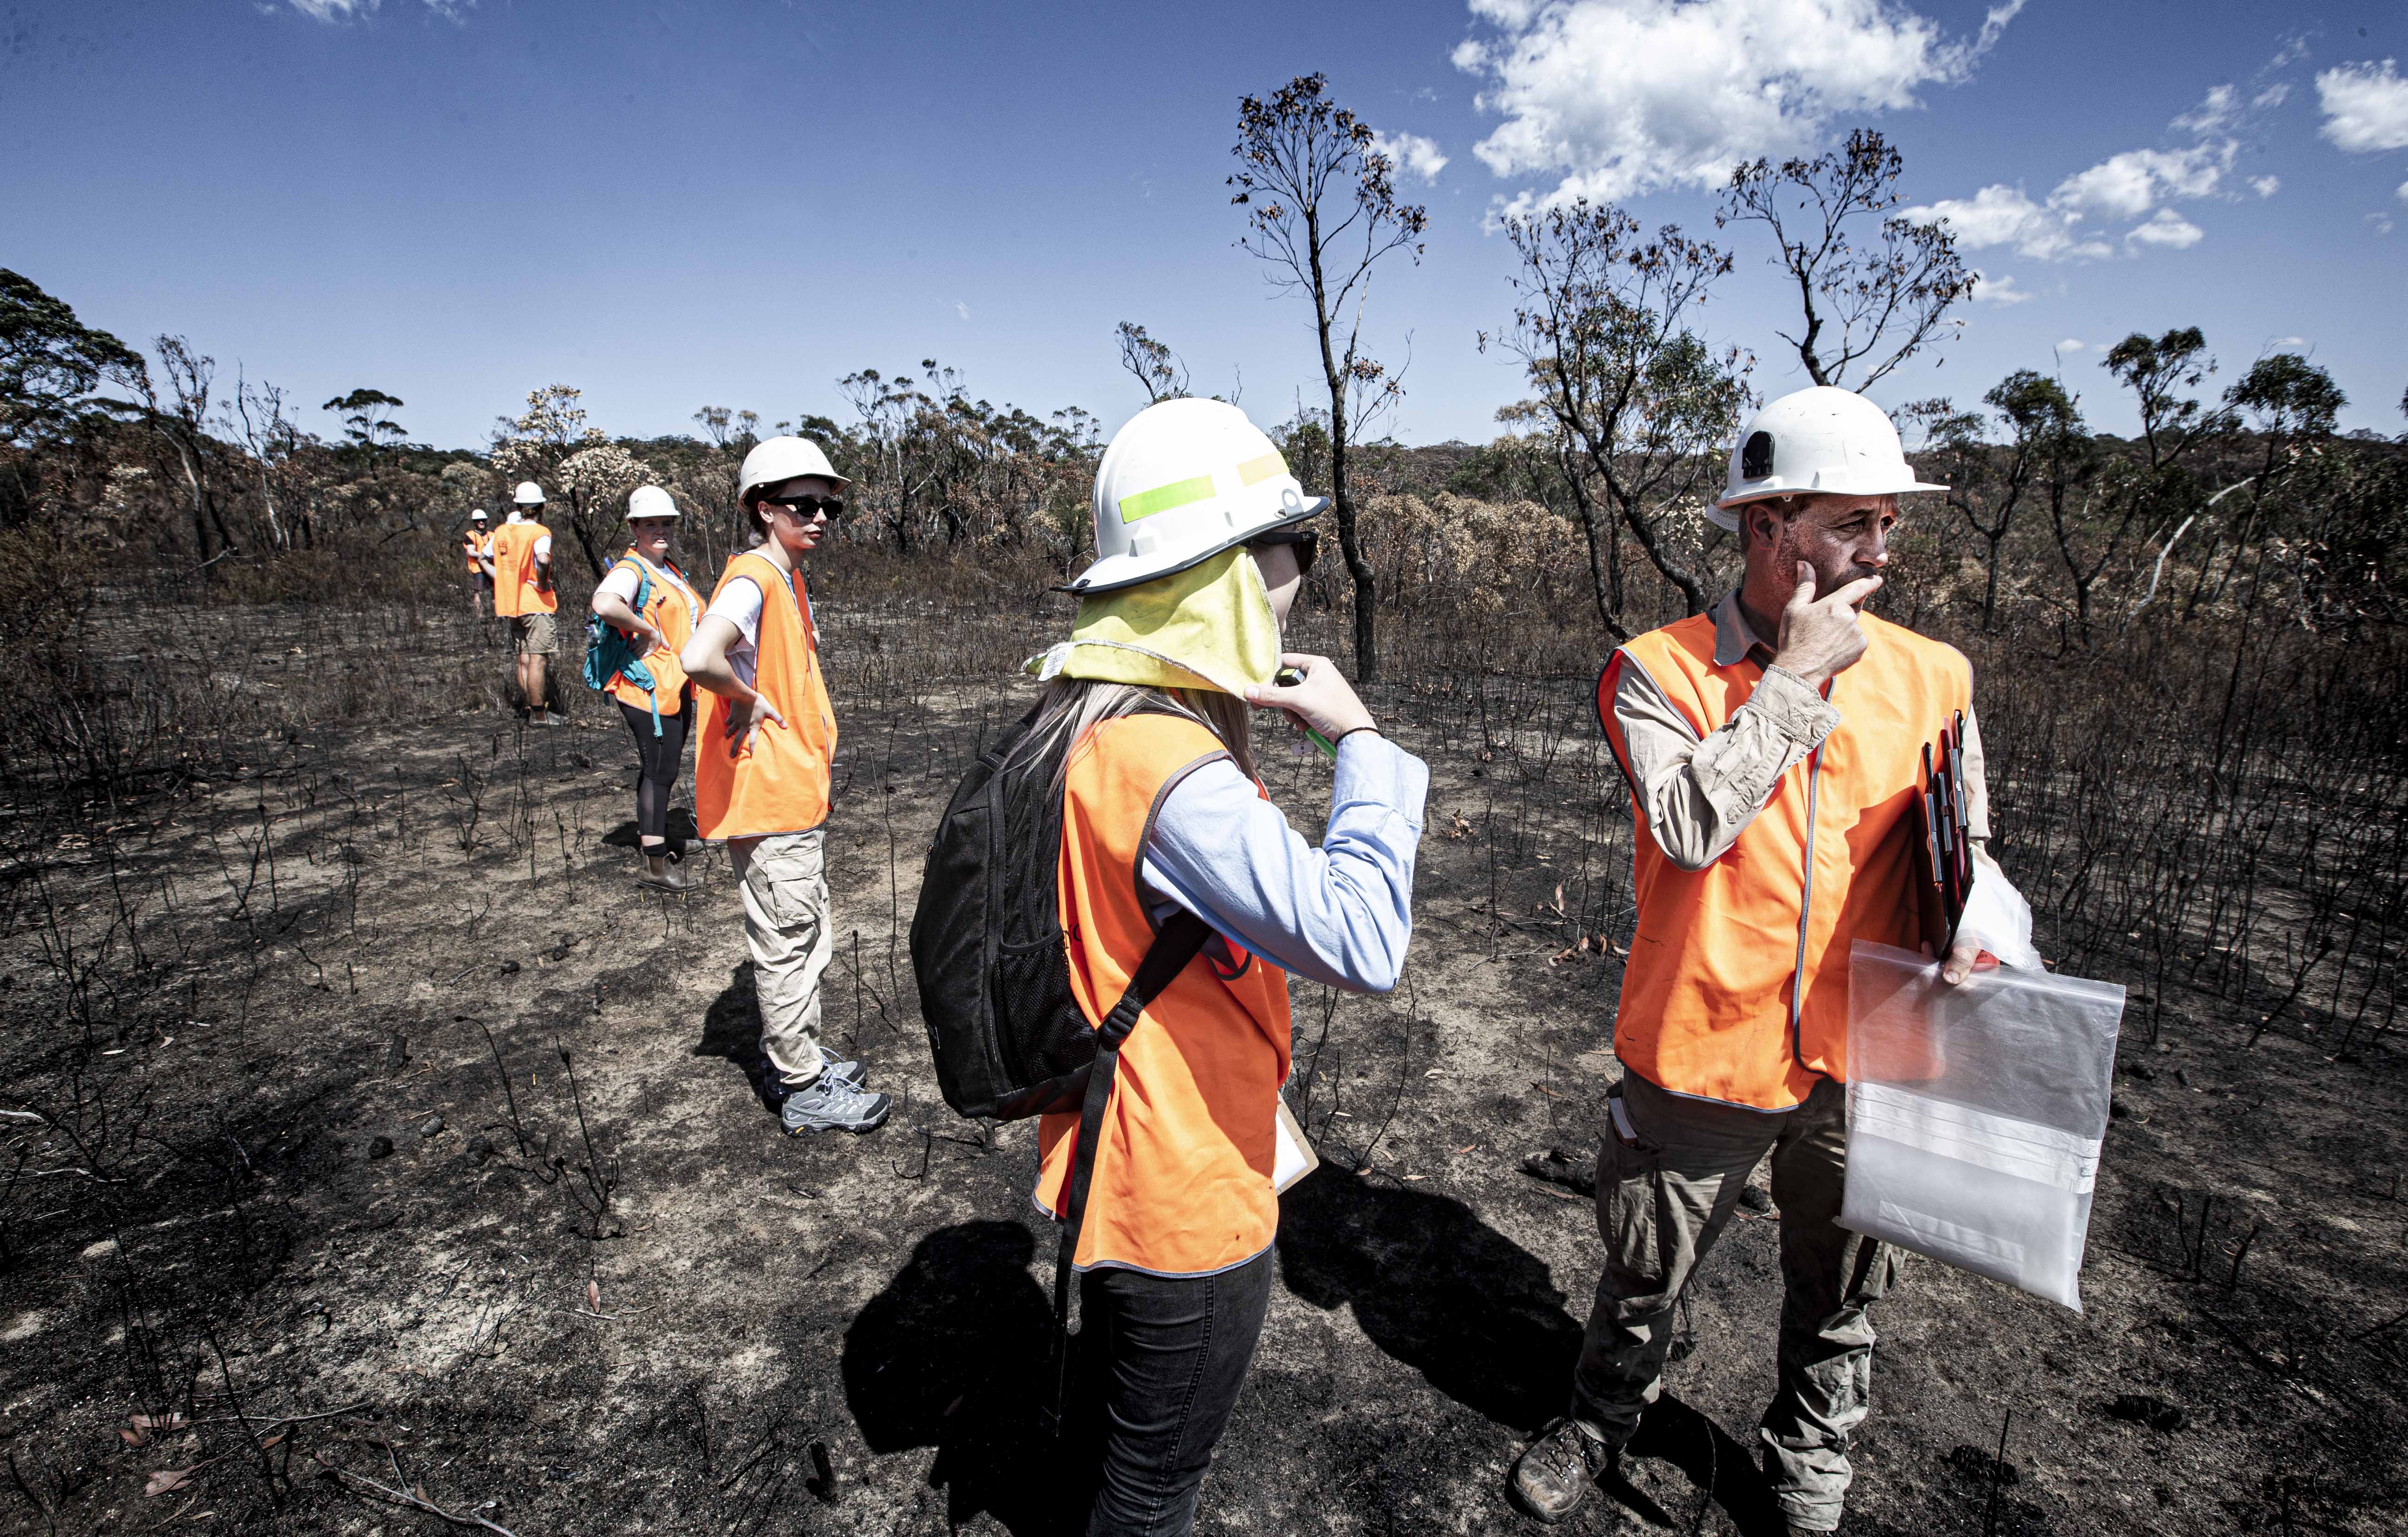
(783, 878)
(1666, 1186)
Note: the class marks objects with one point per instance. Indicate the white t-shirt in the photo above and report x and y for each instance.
(738, 602)
(624, 581)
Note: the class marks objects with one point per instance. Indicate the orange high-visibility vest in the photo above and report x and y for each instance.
(514, 589)
(1737, 984)
(1183, 1183)
(781, 782)
(471, 545)
(674, 609)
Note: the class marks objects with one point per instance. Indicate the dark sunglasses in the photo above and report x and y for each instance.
(804, 507)
(1307, 542)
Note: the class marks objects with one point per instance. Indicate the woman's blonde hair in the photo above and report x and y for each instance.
(1069, 707)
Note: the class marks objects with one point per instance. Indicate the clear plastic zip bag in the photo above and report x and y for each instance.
(1976, 1114)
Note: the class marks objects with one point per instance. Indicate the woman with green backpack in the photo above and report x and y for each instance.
(1145, 729)
(647, 601)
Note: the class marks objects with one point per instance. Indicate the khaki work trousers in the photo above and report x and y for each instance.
(783, 878)
(1664, 1194)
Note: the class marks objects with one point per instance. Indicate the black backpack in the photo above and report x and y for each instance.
(994, 970)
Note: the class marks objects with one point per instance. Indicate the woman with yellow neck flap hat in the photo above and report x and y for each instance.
(1202, 549)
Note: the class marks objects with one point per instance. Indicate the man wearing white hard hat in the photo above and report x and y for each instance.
(519, 559)
(1773, 749)
(1143, 731)
(762, 776)
(474, 540)
(646, 597)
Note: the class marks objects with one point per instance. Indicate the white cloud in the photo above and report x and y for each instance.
(962, 308)
(2128, 185)
(2365, 106)
(2214, 115)
(2380, 223)
(1999, 215)
(2273, 95)
(2265, 186)
(2288, 341)
(1619, 98)
(1998, 290)
(2071, 344)
(2403, 192)
(1411, 154)
(2166, 228)
(337, 11)
(2121, 186)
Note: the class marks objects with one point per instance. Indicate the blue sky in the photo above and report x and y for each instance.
(676, 204)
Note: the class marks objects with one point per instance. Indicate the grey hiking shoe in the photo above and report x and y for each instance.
(777, 1088)
(829, 1103)
(1555, 1474)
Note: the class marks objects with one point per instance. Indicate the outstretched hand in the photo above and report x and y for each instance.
(1322, 700)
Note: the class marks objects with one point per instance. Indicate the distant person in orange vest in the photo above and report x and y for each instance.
(658, 714)
(475, 542)
(1201, 551)
(519, 559)
(1772, 748)
(761, 779)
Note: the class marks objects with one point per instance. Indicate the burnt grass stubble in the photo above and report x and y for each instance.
(378, 1157)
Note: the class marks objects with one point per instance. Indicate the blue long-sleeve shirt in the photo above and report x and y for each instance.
(1340, 914)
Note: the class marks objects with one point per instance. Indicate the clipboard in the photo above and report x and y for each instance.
(1291, 1156)
(1943, 846)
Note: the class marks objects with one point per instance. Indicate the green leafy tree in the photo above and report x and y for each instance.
(51, 363)
(1155, 368)
(2143, 498)
(1603, 326)
(367, 421)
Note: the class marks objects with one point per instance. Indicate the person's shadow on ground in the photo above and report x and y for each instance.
(680, 831)
(731, 1031)
(1477, 1314)
(955, 1354)
(1482, 1319)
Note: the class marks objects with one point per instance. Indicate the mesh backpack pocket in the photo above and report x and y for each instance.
(987, 946)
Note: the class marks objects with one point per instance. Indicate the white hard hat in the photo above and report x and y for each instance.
(781, 459)
(1183, 481)
(478, 515)
(529, 495)
(1817, 442)
(650, 501)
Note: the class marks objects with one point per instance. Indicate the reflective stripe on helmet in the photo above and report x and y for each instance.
(1162, 499)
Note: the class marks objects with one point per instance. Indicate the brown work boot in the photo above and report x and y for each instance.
(1555, 1473)
(659, 874)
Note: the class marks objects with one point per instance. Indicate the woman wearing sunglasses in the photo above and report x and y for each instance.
(1144, 719)
(762, 776)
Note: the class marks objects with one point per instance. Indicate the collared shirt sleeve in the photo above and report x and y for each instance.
(1342, 913)
(1697, 795)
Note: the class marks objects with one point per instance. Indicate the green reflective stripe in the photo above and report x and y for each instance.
(1255, 471)
(1162, 499)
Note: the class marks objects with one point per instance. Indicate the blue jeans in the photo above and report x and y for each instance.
(1173, 1354)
